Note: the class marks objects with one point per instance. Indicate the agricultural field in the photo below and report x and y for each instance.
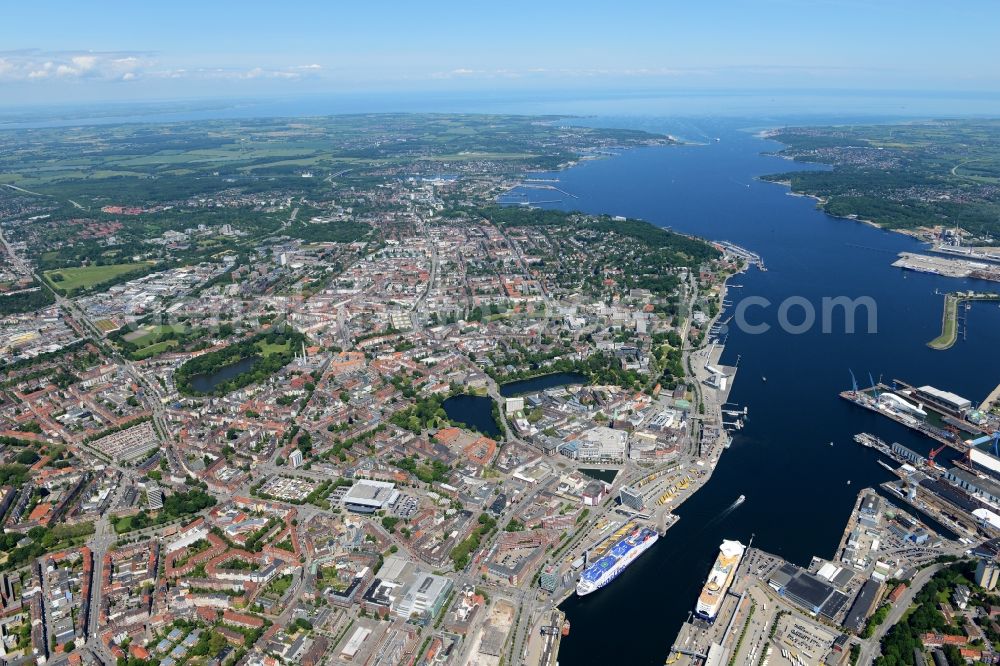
(137, 163)
(192, 191)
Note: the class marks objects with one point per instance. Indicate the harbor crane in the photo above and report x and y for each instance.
(934, 452)
(874, 385)
(994, 438)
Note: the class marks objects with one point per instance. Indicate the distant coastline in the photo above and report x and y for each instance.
(822, 201)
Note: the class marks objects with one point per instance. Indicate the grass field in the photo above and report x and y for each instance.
(147, 335)
(148, 340)
(69, 280)
(269, 349)
(154, 349)
(949, 328)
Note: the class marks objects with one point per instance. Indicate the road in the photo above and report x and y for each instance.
(151, 393)
(104, 537)
(418, 316)
(21, 189)
(870, 648)
(343, 328)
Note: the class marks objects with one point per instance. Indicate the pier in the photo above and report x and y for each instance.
(991, 255)
(951, 317)
(751, 258)
(990, 400)
(862, 399)
(957, 268)
(541, 186)
(902, 403)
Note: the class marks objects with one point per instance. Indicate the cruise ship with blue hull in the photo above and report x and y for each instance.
(623, 553)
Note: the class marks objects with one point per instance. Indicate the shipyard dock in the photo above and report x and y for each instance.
(939, 415)
(969, 253)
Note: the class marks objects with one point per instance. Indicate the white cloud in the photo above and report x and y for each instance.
(84, 63)
(36, 65)
(238, 74)
(33, 64)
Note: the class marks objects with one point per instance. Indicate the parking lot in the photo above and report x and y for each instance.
(405, 506)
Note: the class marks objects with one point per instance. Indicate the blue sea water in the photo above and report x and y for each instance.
(798, 497)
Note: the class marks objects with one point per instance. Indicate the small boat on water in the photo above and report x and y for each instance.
(740, 500)
(763, 379)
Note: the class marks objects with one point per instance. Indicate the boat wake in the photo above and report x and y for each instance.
(725, 512)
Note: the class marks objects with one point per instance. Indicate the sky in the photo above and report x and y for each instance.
(58, 52)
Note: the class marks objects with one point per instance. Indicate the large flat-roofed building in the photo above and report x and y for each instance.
(908, 454)
(154, 496)
(945, 400)
(974, 485)
(864, 605)
(807, 591)
(369, 496)
(407, 590)
(602, 444)
(951, 494)
(424, 597)
(354, 643)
